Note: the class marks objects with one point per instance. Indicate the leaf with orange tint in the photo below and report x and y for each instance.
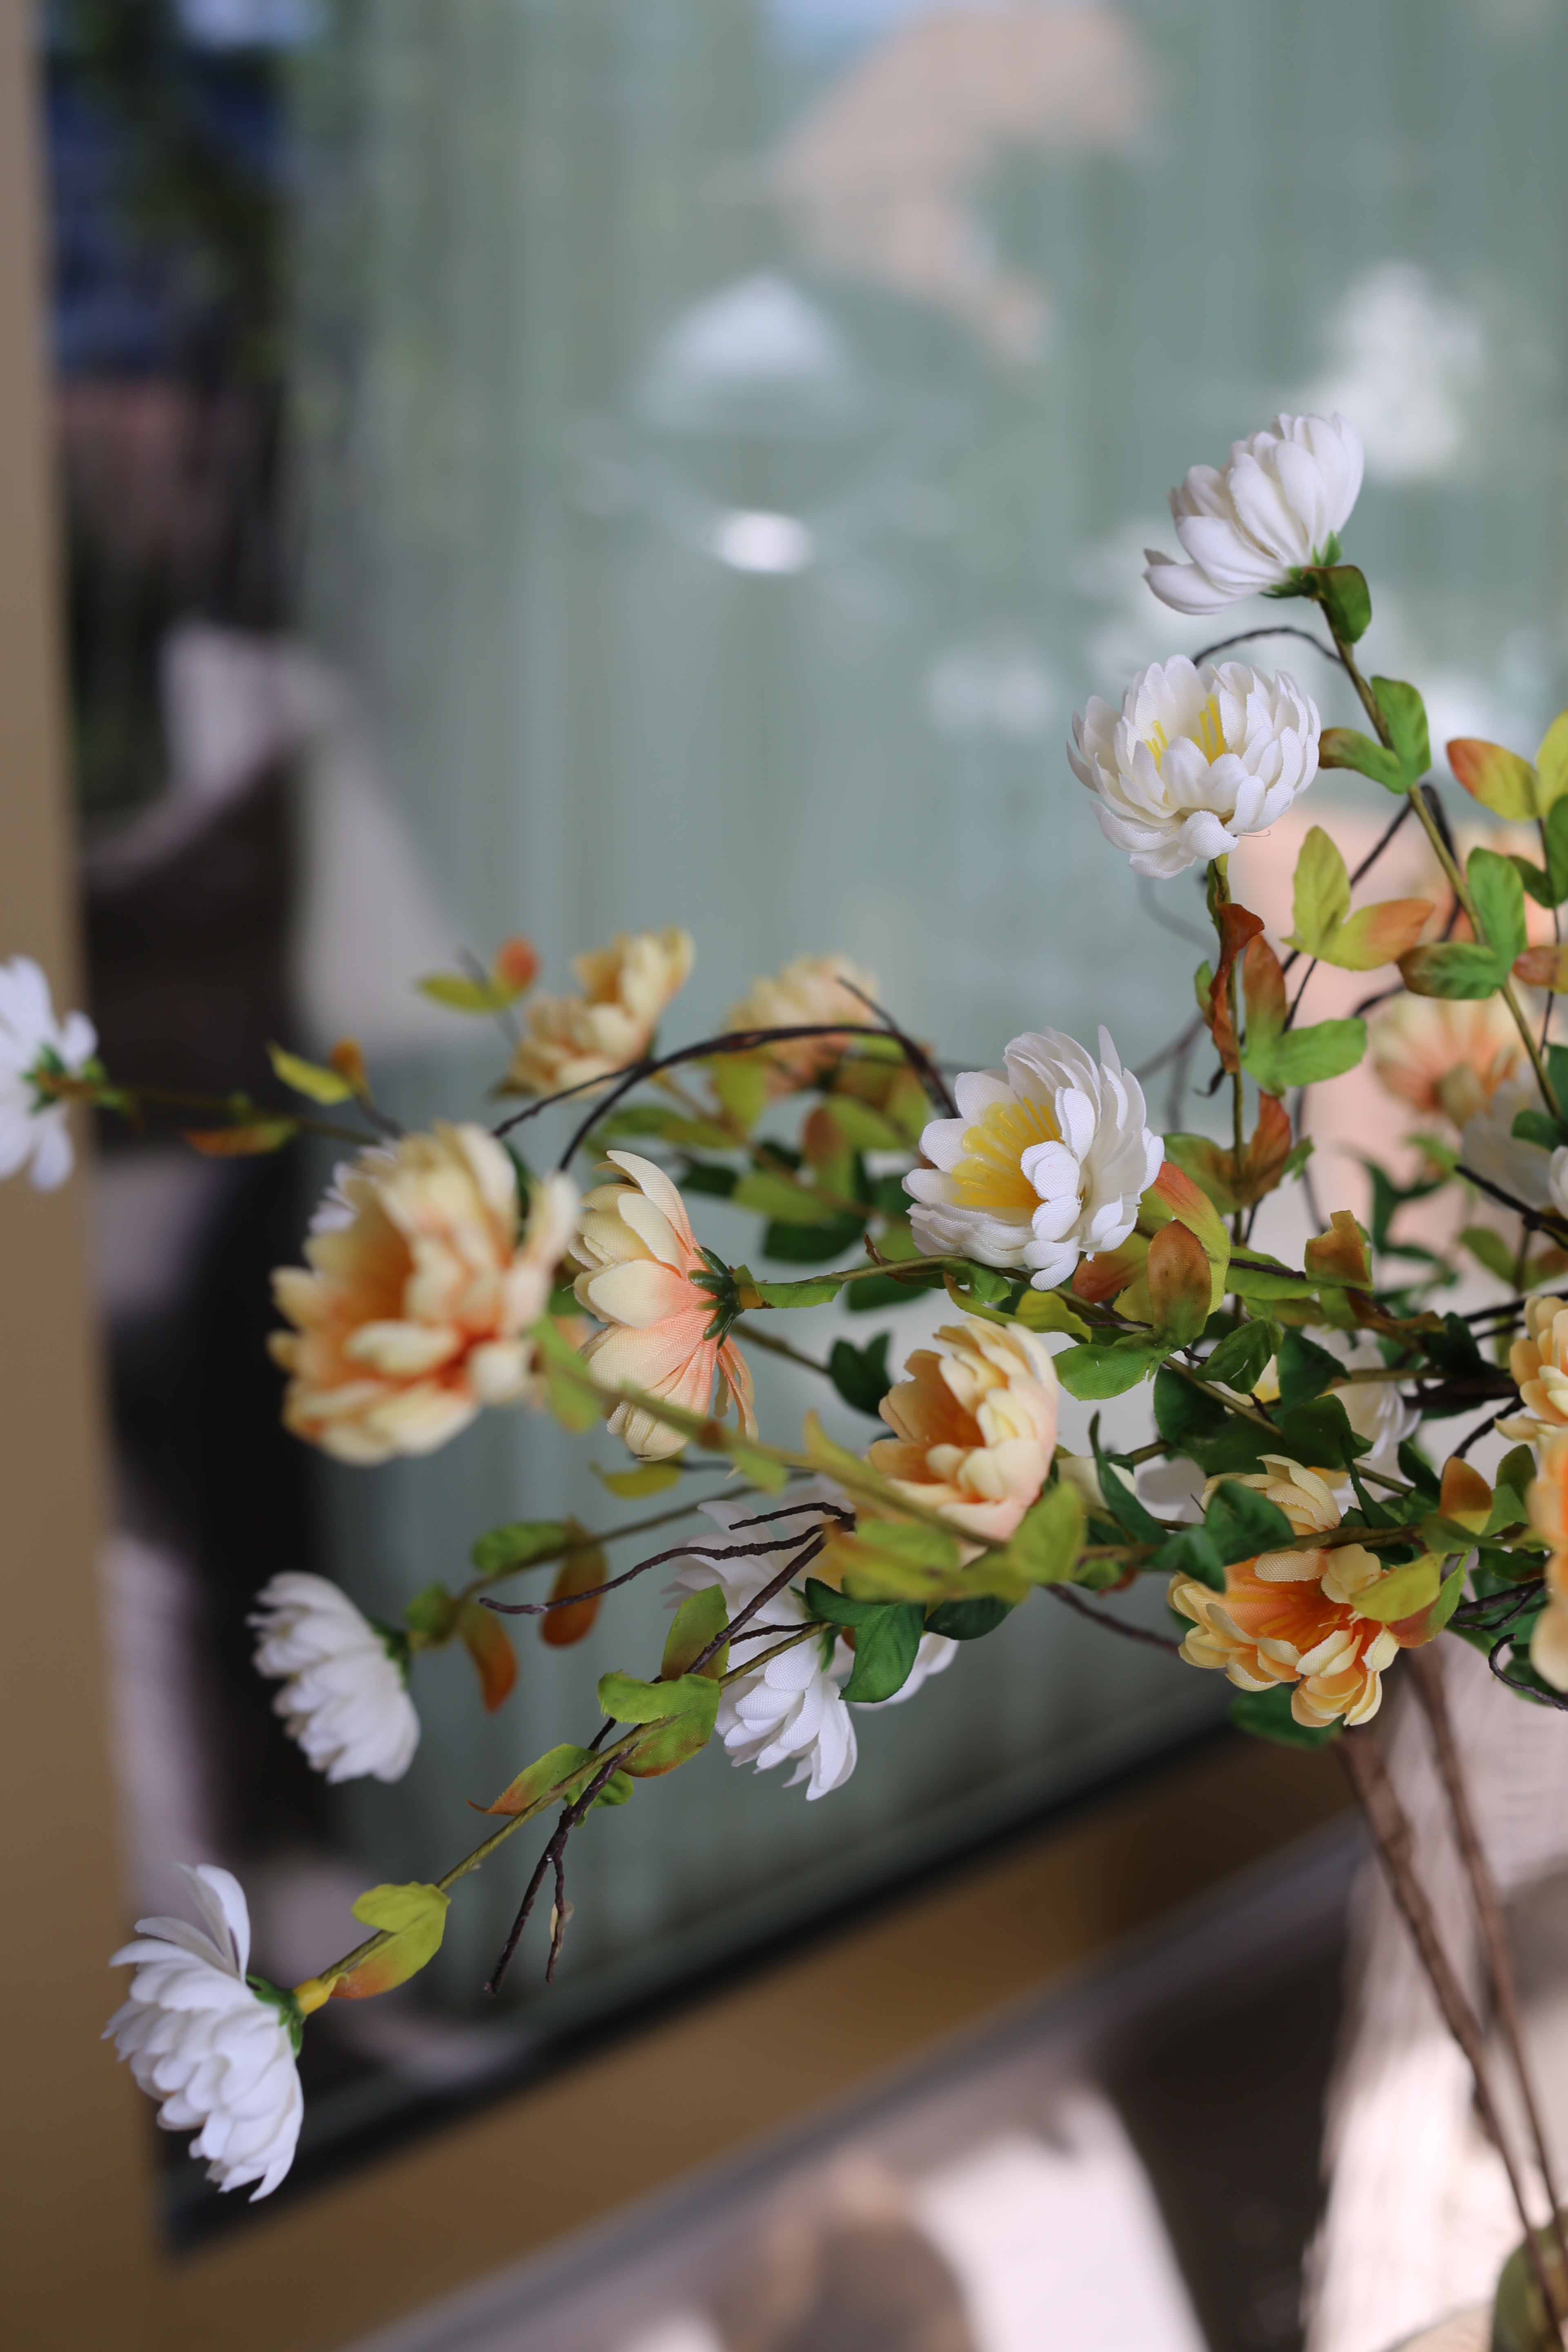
(1265, 1163)
(581, 1570)
(485, 1639)
(1238, 925)
(245, 1142)
(1465, 1495)
(1545, 967)
(1101, 1277)
(1341, 1252)
(1180, 1283)
(1499, 779)
(414, 1919)
(515, 965)
(347, 1058)
(1377, 935)
(560, 1772)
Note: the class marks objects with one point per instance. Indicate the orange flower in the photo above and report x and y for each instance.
(414, 1309)
(1447, 1059)
(976, 1427)
(1539, 1362)
(808, 990)
(625, 987)
(1547, 1503)
(639, 1256)
(1293, 1616)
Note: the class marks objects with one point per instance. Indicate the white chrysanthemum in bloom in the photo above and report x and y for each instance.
(790, 1708)
(1490, 1146)
(344, 1697)
(1048, 1158)
(32, 1126)
(1280, 503)
(1195, 759)
(199, 2038)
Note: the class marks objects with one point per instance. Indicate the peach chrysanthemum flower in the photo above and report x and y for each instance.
(1539, 1363)
(1446, 1059)
(572, 1040)
(1292, 1616)
(414, 1309)
(639, 1256)
(810, 988)
(1547, 1503)
(976, 1426)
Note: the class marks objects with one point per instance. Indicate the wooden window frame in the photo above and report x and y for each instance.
(85, 2264)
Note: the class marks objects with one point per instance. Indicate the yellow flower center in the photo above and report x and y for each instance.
(989, 1175)
(1206, 732)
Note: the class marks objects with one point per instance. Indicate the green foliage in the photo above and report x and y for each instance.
(520, 1544)
(799, 1243)
(860, 1375)
(1548, 885)
(887, 1636)
(968, 1621)
(1346, 598)
(1415, 1467)
(1108, 1367)
(698, 1622)
(434, 1613)
(1498, 895)
(809, 1293)
(778, 1197)
(1347, 747)
(1404, 716)
(1305, 1369)
(627, 1700)
(1280, 1058)
(1265, 1714)
(1321, 1433)
(1192, 1552)
(1044, 1546)
(1456, 968)
(1240, 1523)
(1241, 1359)
(880, 1290)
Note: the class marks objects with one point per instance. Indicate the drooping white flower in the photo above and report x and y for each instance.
(1048, 1158)
(217, 2052)
(791, 1707)
(345, 1697)
(1194, 760)
(1374, 1409)
(1490, 1146)
(33, 1126)
(1279, 502)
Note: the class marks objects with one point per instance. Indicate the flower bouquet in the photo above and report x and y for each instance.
(1309, 1537)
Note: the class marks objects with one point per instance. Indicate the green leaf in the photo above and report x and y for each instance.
(1318, 1435)
(519, 1544)
(705, 1176)
(860, 1374)
(1044, 1546)
(968, 1621)
(310, 1078)
(879, 1290)
(863, 1128)
(433, 1612)
(1490, 1250)
(887, 1560)
(1405, 715)
(774, 1196)
(885, 1648)
(1498, 895)
(460, 994)
(1265, 1714)
(617, 1790)
(803, 1244)
(1402, 1591)
(1303, 1058)
(569, 1390)
(1047, 1310)
(1121, 1500)
(1535, 1127)
(1182, 1413)
(1415, 1467)
(1192, 1553)
(1305, 1370)
(1240, 1359)
(1322, 893)
(698, 1621)
(1455, 968)
(809, 1293)
(739, 1081)
(1344, 596)
(627, 1700)
(1240, 1523)
(1556, 823)
(1516, 1470)
(1106, 1367)
(650, 1478)
(414, 1919)
(1346, 747)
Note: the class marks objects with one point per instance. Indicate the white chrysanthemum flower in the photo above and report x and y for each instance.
(791, 1707)
(1048, 1159)
(1490, 1146)
(33, 1126)
(199, 2038)
(1280, 503)
(1195, 759)
(345, 1697)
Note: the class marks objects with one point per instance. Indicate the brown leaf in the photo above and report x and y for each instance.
(1237, 927)
(580, 1571)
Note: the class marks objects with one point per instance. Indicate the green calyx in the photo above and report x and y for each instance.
(280, 1998)
(719, 1283)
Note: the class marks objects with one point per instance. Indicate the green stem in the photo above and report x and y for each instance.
(776, 1347)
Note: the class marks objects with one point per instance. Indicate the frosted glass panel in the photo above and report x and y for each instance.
(717, 442)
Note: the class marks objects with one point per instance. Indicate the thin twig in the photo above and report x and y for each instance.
(1427, 1671)
(1479, 1432)
(1112, 1624)
(1207, 652)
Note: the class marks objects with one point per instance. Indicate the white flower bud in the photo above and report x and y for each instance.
(32, 1126)
(345, 1697)
(1278, 504)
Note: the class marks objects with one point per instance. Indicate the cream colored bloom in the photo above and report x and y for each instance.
(414, 1312)
(639, 1255)
(1291, 1617)
(345, 1695)
(1445, 1057)
(808, 991)
(1048, 1159)
(625, 987)
(1304, 1496)
(974, 1423)
(200, 2039)
(1194, 760)
(1538, 1361)
(1280, 503)
(34, 1126)
(791, 1709)
(1547, 1503)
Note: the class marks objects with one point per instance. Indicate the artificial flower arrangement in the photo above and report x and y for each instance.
(1078, 1250)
